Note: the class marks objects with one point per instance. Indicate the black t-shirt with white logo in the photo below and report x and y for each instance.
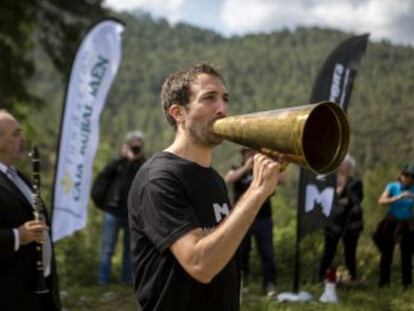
(169, 197)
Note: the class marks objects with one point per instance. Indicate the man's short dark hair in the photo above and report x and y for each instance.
(176, 88)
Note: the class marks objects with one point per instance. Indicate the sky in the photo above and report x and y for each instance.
(392, 20)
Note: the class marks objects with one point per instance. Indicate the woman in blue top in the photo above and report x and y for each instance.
(398, 196)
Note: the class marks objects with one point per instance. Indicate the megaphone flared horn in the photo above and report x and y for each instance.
(314, 136)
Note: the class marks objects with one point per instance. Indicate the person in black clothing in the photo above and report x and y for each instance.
(19, 231)
(347, 222)
(110, 193)
(261, 229)
(184, 232)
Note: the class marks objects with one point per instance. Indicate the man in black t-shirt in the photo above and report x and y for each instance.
(261, 229)
(184, 232)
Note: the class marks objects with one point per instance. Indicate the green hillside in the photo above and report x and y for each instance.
(262, 71)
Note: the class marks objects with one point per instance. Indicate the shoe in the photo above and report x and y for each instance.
(271, 289)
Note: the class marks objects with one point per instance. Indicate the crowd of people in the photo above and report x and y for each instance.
(189, 245)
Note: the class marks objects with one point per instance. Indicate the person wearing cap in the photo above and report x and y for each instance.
(398, 225)
(110, 193)
(347, 221)
(261, 229)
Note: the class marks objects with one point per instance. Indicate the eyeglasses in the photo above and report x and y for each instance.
(409, 175)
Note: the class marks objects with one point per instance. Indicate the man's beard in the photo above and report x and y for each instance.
(203, 135)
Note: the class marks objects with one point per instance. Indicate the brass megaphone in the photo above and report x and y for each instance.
(314, 136)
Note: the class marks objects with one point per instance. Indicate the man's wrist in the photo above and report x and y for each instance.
(257, 194)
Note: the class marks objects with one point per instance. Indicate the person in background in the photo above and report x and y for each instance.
(261, 229)
(398, 225)
(184, 231)
(19, 231)
(110, 193)
(347, 221)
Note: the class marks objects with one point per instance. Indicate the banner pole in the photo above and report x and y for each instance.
(296, 272)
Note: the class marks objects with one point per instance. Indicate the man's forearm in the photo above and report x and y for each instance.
(214, 250)
(204, 255)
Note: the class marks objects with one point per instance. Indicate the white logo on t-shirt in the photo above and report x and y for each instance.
(221, 211)
(324, 198)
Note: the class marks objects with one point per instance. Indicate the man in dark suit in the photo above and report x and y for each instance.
(19, 232)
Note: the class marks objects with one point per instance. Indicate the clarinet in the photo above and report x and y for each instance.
(38, 211)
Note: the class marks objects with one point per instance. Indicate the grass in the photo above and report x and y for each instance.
(367, 299)
(99, 298)
(121, 298)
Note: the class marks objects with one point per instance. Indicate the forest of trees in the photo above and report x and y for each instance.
(263, 72)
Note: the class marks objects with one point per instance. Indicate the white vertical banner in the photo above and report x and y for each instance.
(94, 68)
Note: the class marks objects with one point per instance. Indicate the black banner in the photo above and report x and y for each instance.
(334, 83)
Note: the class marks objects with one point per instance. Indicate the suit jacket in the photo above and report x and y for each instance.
(18, 269)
